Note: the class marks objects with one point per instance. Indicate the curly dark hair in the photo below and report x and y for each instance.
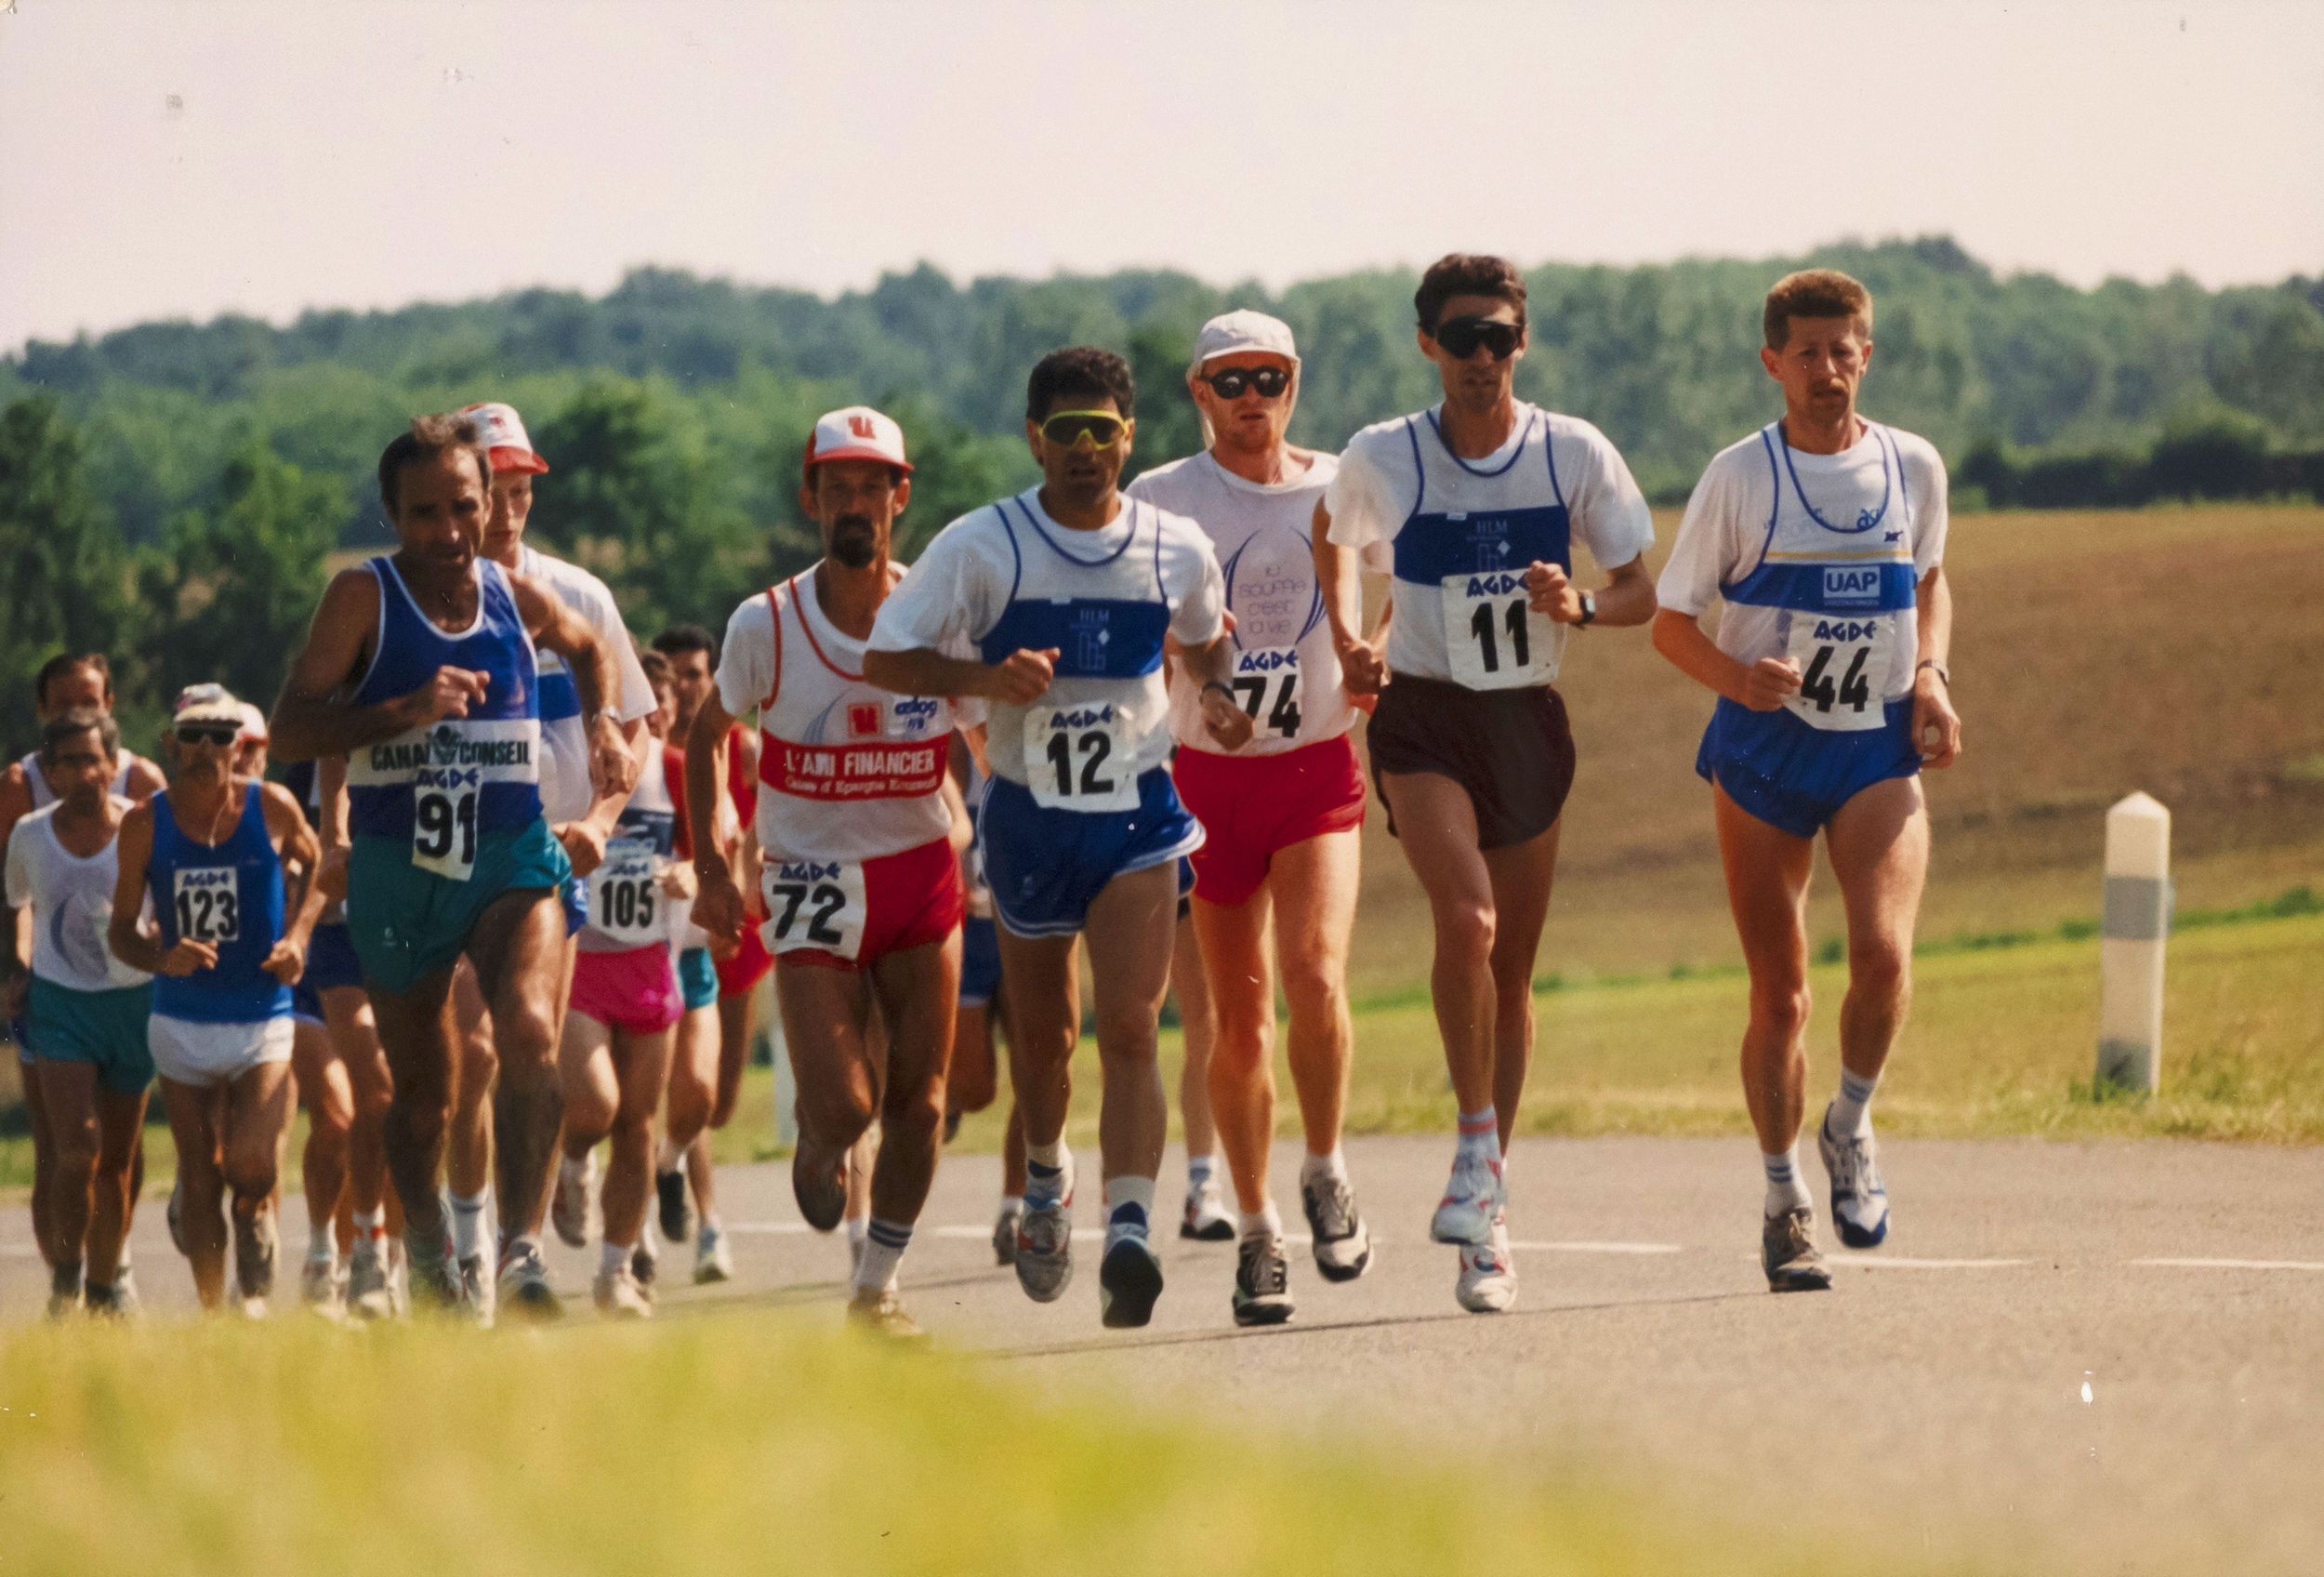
(1079, 372)
(1467, 273)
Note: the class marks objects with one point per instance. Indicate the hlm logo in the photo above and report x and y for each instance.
(1498, 584)
(1859, 586)
(1488, 540)
(1088, 635)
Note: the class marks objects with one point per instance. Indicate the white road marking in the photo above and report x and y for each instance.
(2237, 1264)
(1593, 1248)
(1905, 1262)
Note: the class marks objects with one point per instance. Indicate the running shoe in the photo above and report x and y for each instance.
(1859, 1199)
(1786, 1251)
(111, 1302)
(569, 1202)
(254, 1252)
(125, 1299)
(1005, 1234)
(677, 1205)
(1044, 1257)
(1343, 1245)
(524, 1278)
(478, 1295)
(435, 1283)
(645, 1266)
(1474, 1197)
(1129, 1278)
(369, 1296)
(63, 1304)
(714, 1260)
(620, 1296)
(254, 1308)
(1206, 1219)
(881, 1314)
(820, 1186)
(320, 1288)
(1262, 1281)
(1487, 1283)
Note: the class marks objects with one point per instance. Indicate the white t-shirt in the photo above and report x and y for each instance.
(565, 794)
(1747, 512)
(1393, 470)
(71, 901)
(1286, 671)
(1011, 559)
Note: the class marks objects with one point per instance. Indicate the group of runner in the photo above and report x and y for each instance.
(538, 872)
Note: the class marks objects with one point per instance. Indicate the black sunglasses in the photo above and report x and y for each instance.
(1462, 336)
(1267, 382)
(220, 734)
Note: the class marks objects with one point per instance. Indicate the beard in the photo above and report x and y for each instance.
(855, 540)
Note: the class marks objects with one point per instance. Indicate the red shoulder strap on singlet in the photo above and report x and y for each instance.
(774, 616)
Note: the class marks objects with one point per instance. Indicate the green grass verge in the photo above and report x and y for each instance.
(725, 1444)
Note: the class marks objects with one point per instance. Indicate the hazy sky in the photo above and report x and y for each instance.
(187, 157)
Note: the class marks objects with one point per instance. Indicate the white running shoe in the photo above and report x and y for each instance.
(1474, 1198)
(1206, 1218)
(1005, 1234)
(370, 1294)
(321, 1289)
(477, 1294)
(1343, 1245)
(1488, 1276)
(569, 1202)
(620, 1296)
(1859, 1199)
(524, 1278)
(1045, 1235)
(714, 1259)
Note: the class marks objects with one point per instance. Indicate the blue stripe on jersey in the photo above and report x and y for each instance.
(411, 649)
(1434, 545)
(1095, 637)
(234, 897)
(561, 698)
(1846, 588)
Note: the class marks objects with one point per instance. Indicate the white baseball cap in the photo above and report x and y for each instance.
(858, 432)
(207, 703)
(505, 438)
(253, 722)
(1242, 330)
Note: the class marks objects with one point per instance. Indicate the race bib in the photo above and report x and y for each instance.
(443, 830)
(1844, 661)
(1076, 758)
(815, 904)
(626, 896)
(209, 904)
(447, 763)
(1493, 637)
(1267, 681)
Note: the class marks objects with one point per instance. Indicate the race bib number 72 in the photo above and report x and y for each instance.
(817, 903)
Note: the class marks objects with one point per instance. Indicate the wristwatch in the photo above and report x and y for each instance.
(1588, 611)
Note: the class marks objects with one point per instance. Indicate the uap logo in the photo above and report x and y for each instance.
(1856, 586)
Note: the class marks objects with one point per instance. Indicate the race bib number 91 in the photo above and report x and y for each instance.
(817, 903)
(1844, 661)
(1076, 758)
(1493, 637)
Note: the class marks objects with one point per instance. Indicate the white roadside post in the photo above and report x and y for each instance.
(2135, 929)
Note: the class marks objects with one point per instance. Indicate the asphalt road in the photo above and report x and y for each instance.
(2088, 1357)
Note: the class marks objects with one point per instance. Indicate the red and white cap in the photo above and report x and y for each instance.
(505, 438)
(857, 433)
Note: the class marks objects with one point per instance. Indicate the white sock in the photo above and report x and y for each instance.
(858, 1228)
(1045, 1178)
(1051, 1155)
(1011, 1205)
(1252, 1222)
(883, 1248)
(1785, 1191)
(1479, 1137)
(468, 1223)
(613, 1258)
(1200, 1170)
(1128, 1206)
(323, 1246)
(667, 1159)
(1852, 1112)
(1333, 1165)
(371, 1223)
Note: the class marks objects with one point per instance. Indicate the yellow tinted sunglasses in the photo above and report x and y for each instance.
(1067, 428)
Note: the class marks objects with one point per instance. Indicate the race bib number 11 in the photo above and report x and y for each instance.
(817, 903)
(1493, 637)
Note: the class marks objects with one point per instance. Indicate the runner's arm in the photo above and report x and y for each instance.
(309, 720)
(1339, 578)
(16, 800)
(130, 943)
(1936, 726)
(1628, 597)
(1210, 666)
(302, 848)
(560, 629)
(1020, 678)
(719, 906)
(1762, 686)
(16, 899)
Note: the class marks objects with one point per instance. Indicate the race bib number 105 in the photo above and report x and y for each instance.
(1493, 637)
(1078, 759)
(626, 893)
(1844, 661)
(817, 903)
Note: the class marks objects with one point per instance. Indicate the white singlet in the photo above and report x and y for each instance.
(1286, 673)
(847, 771)
(1007, 577)
(1818, 558)
(565, 794)
(72, 900)
(1459, 534)
(43, 796)
(627, 908)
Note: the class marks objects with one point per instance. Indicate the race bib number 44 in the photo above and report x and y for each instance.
(1493, 637)
(1844, 661)
(1267, 681)
(1077, 758)
(817, 903)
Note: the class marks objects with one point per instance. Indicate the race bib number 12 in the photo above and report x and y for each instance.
(817, 903)
(1844, 663)
(1075, 758)
(1493, 637)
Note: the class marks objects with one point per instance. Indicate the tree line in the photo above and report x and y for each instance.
(172, 492)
